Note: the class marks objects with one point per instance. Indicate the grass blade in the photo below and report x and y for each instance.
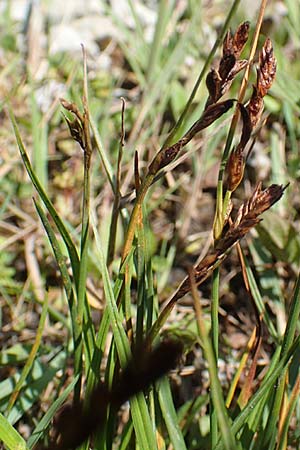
(9, 436)
(267, 383)
(289, 335)
(45, 199)
(227, 436)
(45, 421)
(31, 357)
(169, 414)
(140, 415)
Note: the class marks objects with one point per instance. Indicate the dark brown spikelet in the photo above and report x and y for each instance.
(228, 44)
(247, 126)
(76, 131)
(219, 81)
(259, 202)
(255, 107)
(234, 44)
(235, 169)
(265, 76)
(75, 126)
(267, 68)
(213, 84)
(248, 214)
(240, 38)
(247, 218)
(226, 66)
(236, 161)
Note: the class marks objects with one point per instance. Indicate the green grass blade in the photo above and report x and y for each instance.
(9, 436)
(45, 199)
(142, 423)
(266, 385)
(100, 340)
(67, 282)
(115, 318)
(169, 414)
(72, 251)
(38, 379)
(139, 411)
(287, 421)
(293, 318)
(258, 299)
(40, 140)
(289, 335)
(31, 357)
(163, 15)
(126, 436)
(227, 436)
(39, 430)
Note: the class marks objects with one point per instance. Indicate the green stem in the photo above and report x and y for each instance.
(135, 214)
(220, 207)
(215, 346)
(82, 271)
(215, 388)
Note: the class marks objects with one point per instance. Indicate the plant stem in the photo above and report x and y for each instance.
(84, 241)
(215, 388)
(215, 346)
(135, 215)
(220, 208)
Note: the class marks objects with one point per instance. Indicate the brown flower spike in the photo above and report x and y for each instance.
(247, 218)
(265, 76)
(219, 81)
(236, 161)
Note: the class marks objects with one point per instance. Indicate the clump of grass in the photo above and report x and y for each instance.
(128, 340)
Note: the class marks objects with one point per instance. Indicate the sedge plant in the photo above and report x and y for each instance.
(125, 358)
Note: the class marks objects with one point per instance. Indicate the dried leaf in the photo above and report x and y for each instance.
(76, 131)
(72, 107)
